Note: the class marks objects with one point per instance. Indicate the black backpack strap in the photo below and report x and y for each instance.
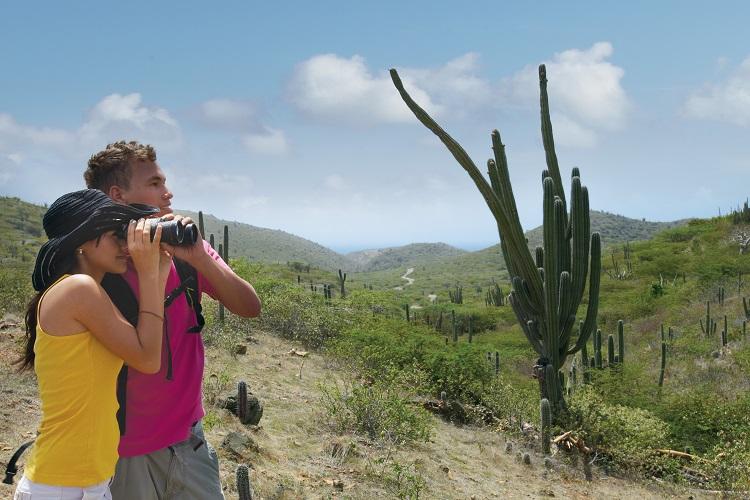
(189, 285)
(123, 298)
(11, 469)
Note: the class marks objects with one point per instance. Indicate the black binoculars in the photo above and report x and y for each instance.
(173, 232)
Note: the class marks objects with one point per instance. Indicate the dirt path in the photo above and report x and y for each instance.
(294, 455)
(409, 281)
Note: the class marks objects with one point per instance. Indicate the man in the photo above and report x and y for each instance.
(162, 451)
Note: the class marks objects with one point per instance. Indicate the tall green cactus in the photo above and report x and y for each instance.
(495, 296)
(611, 350)
(621, 342)
(710, 327)
(725, 333)
(342, 280)
(746, 307)
(598, 349)
(546, 298)
(201, 226)
(663, 357)
(457, 296)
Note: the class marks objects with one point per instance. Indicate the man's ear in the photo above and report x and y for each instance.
(117, 194)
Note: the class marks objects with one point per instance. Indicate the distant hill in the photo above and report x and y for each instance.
(21, 232)
(21, 235)
(270, 245)
(614, 229)
(403, 256)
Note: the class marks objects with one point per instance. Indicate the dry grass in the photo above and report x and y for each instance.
(296, 456)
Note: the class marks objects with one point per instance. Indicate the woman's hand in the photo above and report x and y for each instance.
(146, 254)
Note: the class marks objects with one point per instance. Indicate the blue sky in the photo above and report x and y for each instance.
(283, 116)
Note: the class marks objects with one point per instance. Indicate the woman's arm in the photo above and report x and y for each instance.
(139, 347)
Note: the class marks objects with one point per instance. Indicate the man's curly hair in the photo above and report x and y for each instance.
(113, 165)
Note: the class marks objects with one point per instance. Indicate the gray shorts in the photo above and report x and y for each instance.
(188, 470)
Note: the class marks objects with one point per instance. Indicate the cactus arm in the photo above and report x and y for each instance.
(547, 139)
(593, 306)
(515, 242)
(551, 275)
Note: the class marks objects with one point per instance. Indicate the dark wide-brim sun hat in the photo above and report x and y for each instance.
(72, 220)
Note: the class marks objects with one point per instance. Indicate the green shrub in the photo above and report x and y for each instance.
(295, 313)
(625, 437)
(15, 290)
(379, 411)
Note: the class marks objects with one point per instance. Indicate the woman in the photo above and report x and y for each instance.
(77, 340)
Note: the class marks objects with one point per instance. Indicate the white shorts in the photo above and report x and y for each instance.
(29, 490)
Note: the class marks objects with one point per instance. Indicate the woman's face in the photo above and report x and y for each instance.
(109, 253)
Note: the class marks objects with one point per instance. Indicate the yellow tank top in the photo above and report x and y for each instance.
(78, 436)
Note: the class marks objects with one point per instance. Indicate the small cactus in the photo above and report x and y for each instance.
(242, 401)
(611, 350)
(457, 296)
(454, 327)
(342, 280)
(709, 328)
(598, 349)
(663, 359)
(546, 418)
(244, 490)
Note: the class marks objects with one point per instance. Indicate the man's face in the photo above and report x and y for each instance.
(148, 186)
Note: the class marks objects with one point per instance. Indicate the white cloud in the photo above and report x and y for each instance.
(123, 116)
(455, 85)
(341, 90)
(335, 182)
(229, 114)
(585, 92)
(14, 134)
(270, 142)
(570, 133)
(727, 101)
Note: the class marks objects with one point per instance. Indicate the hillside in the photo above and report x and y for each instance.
(477, 270)
(270, 245)
(21, 231)
(403, 256)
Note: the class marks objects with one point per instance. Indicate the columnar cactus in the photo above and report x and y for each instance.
(201, 227)
(406, 310)
(211, 240)
(454, 328)
(342, 280)
(663, 357)
(495, 296)
(544, 298)
(620, 341)
(244, 490)
(725, 333)
(611, 350)
(225, 255)
(471, 330)
(710, 326)
(546, 418)
(598, 349)
(746, 308)
(497, 363)
(242, 401)
(457, 296)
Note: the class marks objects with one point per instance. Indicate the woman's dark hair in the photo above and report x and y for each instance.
(26, 361)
